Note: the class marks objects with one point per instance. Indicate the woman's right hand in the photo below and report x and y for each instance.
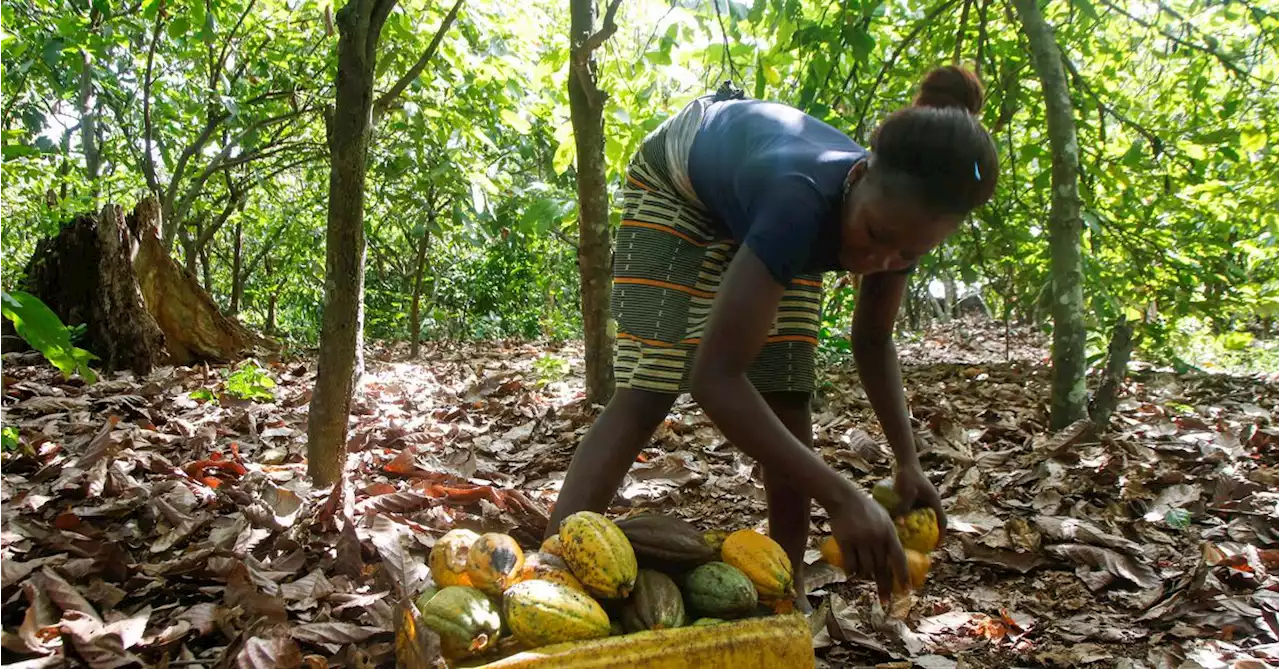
(868, 541)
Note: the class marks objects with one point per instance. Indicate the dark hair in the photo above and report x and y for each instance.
(936, 151)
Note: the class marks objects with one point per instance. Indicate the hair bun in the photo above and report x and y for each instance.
(951, 87)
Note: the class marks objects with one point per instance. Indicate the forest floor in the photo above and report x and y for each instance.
(163, 520)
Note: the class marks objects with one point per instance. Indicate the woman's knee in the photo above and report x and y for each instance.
(792, 408)
(643, 409)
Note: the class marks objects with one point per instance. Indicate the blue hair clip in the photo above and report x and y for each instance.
(976, 174)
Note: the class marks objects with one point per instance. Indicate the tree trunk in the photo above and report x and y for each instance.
(415, 308)
(206, 269)
(1068, 402)
(359, 27)
(270, 329)
(949, 296)
(586, 108)
(1118, 351)
(237, 269)
(88, 122)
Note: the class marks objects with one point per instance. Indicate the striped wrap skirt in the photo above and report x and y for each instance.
(669, 258)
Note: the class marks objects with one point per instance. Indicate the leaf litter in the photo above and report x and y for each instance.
(146, 524)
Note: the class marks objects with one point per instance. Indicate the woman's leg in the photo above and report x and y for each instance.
(607, 451)
(788, 505)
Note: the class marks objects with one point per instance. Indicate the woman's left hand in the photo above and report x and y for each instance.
(915, 491)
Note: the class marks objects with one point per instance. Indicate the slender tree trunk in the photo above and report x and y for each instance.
(188, 244)
(1069, 399)
(271, 298)
(1108, 395)
(89, 124)
(359, 27)
(949, 296)
(415, 308)
(237, 269)
(586, 109)
(206, 268)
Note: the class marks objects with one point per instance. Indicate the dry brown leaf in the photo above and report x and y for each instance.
(1020, 562)
(333, 633)
(16, 570)
(63, 594)
(395, 502)
(95, 645)
(1108, 561)
(203, 617)
(388, 537)
(349, 562)
(310, 588)
(1073, 530)
(273, 652)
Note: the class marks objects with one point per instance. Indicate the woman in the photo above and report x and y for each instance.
(733, 209)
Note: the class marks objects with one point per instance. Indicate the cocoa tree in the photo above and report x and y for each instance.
(1069, 398)
(350, 124)
(586, 107)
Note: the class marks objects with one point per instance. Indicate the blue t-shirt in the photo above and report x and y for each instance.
(772, 176)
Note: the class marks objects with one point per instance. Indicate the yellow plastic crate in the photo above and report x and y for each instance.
(775, 642)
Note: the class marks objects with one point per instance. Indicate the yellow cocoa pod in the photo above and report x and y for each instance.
(551, 545)
(831, 552)
(762, 560)
(917, 571)
(715, 539)
(918, 530)
(448, 559)
(494, 561)
(541, 613)
(547, 567)
(599, 554)
(918, 564)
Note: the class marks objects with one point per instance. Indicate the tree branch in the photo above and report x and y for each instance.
(221, 161)
(964, 23)
(1203, 48)
(982, 39)
(580, 55)
(185, 157)
(583, 51)
(222, 56)
(909, 40)
(1157, 144)
(148, 161)
(387, 99)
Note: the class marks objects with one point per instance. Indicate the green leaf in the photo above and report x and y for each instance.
(250, 382)
(9, 438)
(1178, 518)
(515, 120)
(210, 29)
(179, 27)
(12, 151)
(45, 332)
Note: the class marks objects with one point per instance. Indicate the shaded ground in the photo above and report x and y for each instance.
(145, 519)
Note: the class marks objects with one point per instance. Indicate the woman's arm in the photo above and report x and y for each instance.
(740, 320)
(877, 358)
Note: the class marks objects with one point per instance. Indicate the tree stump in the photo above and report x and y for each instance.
(140, 309)
(194, 327)
(85, 275)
